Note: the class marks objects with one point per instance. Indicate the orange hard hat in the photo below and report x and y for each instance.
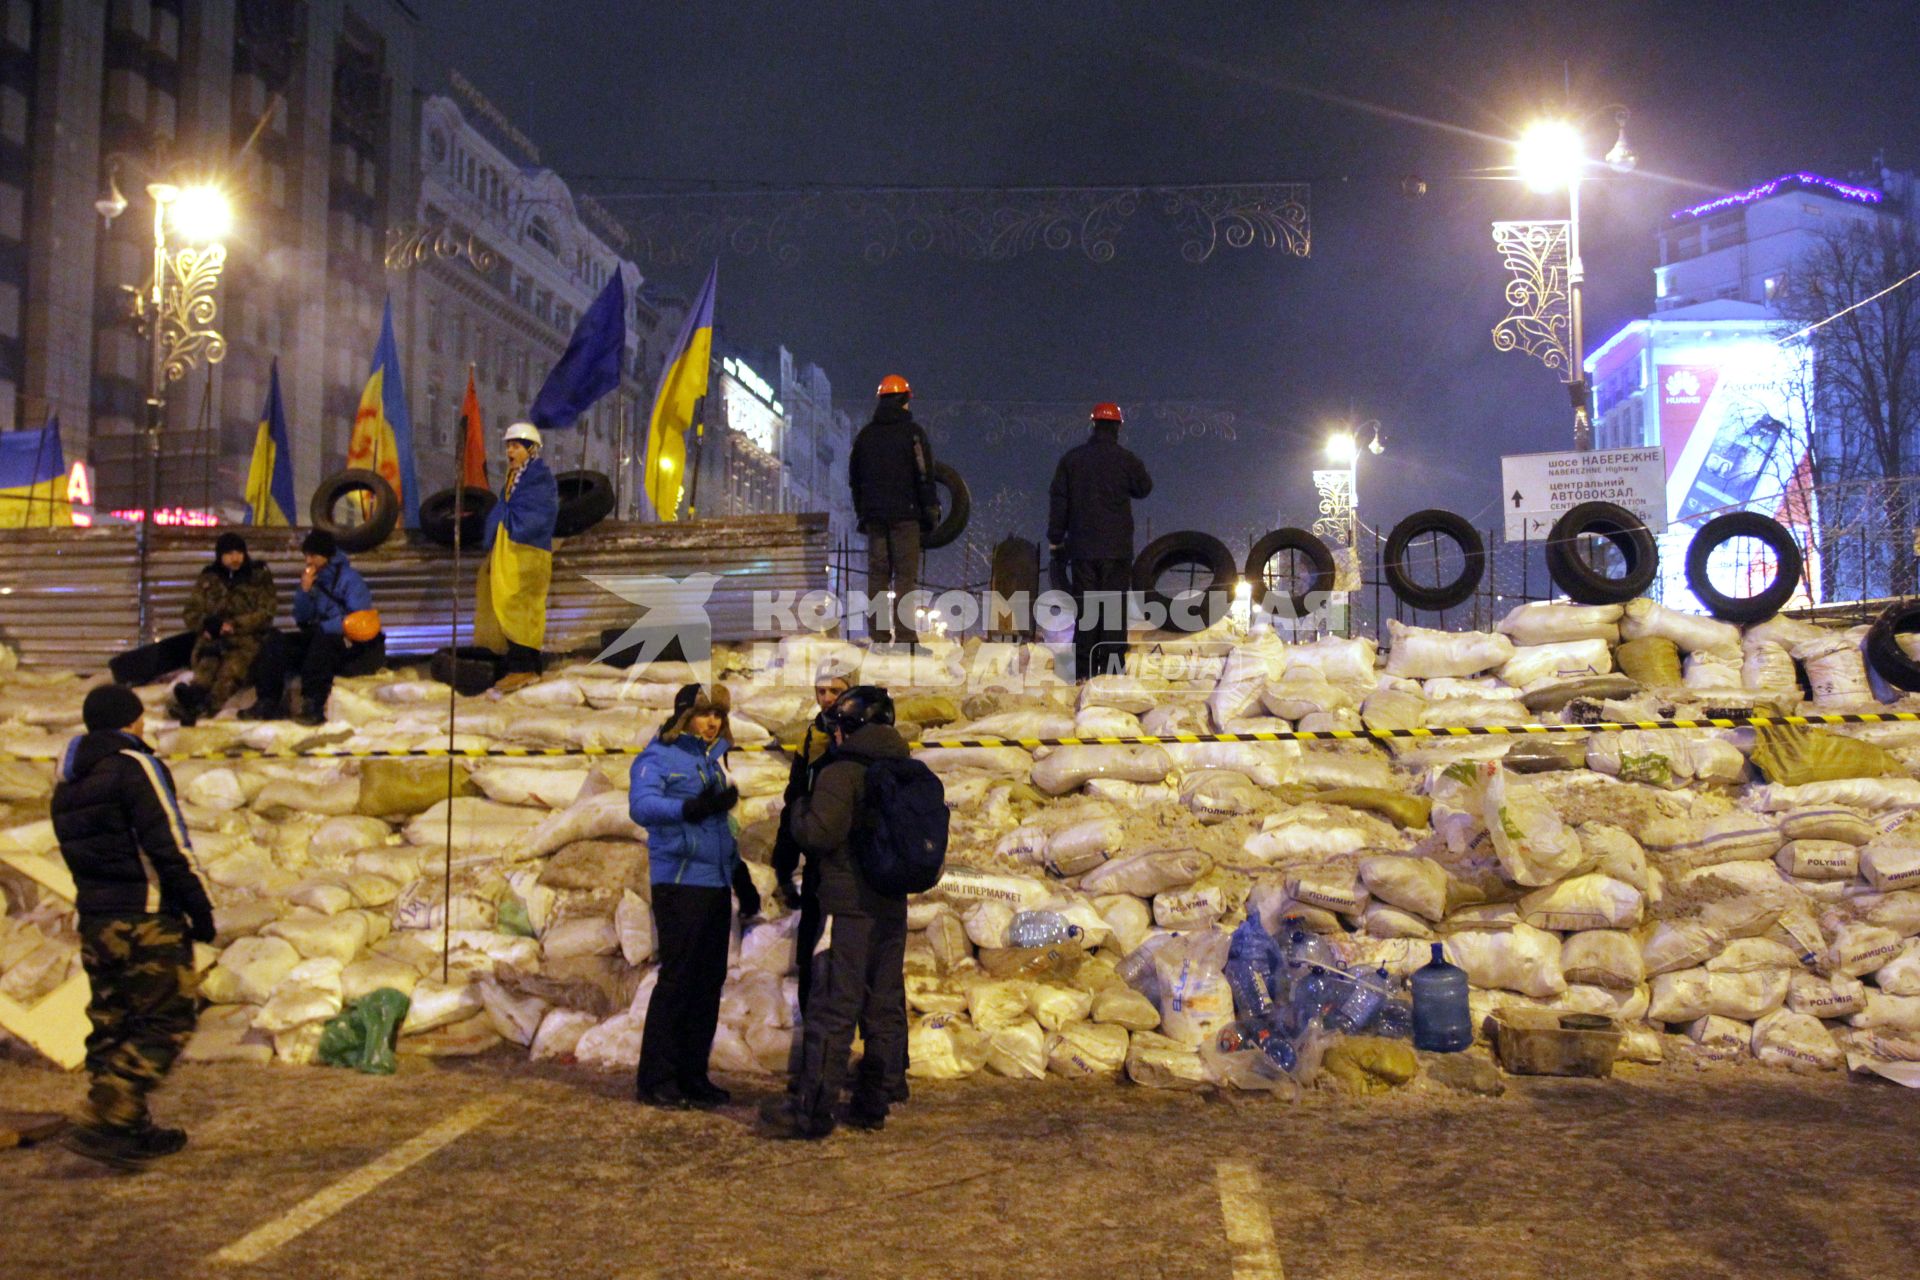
(361, 625)
(894, 385)
(1107, 412)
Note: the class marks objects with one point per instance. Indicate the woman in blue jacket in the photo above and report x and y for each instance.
(681, 794)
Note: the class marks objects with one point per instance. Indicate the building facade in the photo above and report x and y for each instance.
(302, 110)
(775, 443)
(1715, 376)
(505, 259)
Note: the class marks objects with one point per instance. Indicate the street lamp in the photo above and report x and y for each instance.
(1339, 491)
(1549, 155)
(175, 311)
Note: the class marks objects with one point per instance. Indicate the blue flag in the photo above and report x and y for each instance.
(270, 477)
(590, 366)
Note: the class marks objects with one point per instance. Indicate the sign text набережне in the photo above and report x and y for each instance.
(1539, 488)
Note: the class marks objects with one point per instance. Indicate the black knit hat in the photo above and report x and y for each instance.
(319, 543)
(111, 706)
(693, 699)
(229, 541)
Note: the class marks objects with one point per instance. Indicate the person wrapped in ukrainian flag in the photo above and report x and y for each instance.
(510, 614)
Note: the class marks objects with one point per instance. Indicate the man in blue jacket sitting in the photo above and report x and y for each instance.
(332, 611)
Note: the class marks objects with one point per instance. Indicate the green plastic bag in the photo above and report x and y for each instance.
(362, 1035)
(512, 917)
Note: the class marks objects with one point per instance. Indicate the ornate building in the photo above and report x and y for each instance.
(505, 260)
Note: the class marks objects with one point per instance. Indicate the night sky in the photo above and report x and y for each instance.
(1390, 316)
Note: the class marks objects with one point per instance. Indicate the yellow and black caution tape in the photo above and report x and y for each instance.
(1027, 744)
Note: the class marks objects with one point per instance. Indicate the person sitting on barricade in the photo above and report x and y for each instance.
(231, 611)
(337, 633)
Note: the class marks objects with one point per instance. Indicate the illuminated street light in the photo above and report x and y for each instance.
(175, 311)
(200, 214)
(1339, 492)
(1550, 156)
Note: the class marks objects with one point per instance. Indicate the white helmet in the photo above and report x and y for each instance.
(525, 432)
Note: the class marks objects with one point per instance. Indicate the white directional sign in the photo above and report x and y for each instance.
(1538, 488)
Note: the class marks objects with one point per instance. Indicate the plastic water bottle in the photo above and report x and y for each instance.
(1442, 1022)
(1253, 944)
(1310, 949)
(1041, 929)
(1394, 1021)
(1248, 1034)
(1250, 994)
(1363, 1000)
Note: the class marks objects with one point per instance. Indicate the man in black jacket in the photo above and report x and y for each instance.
(895, 502)
(863, 980)
(142, 907)
(1090, 522)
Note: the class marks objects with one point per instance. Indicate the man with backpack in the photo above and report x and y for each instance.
(876, 820)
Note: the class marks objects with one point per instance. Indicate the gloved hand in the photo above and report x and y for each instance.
(213, 623)
(200, 926)
(713, 800)
(745, 893)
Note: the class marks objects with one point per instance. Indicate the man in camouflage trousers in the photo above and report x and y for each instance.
(142, 907)
(231, 610)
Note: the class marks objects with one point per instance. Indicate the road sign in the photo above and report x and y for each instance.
(1538, 488)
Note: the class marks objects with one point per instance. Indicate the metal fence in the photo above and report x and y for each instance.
(1861, 553)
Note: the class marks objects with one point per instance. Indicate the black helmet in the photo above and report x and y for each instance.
(863, 704)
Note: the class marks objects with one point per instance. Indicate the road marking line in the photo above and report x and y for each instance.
(1249, 1225)
(317, 1208)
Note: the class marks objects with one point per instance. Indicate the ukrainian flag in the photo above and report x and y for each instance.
(682, 382)
(33, 479)
(382, 430)
(511, 603)
(270, 478)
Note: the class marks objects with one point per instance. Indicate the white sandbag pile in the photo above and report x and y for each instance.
(1660, 877)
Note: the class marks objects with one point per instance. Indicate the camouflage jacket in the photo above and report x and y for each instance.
(244, 597)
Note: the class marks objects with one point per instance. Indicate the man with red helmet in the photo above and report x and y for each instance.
(1090, 522)
(895, 502)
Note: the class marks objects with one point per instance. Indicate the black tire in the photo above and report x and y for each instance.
(372, 531)
(1318, 554)
(1473, 551)
(1885, 653)
(1186, 547)
(586, 498)
(1744, 524)
(436, 516)
(956, 507)
(1583, 583)
(673, 650)
(468, 669)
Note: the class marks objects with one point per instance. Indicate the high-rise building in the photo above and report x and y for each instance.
(304, 111)
(1708, 376)
(506, 259)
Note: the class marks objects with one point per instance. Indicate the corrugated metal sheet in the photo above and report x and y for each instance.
(69, 597)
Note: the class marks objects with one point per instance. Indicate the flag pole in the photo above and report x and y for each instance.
(453, 655)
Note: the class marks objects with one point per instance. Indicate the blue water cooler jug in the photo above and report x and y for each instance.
(1442, 1022)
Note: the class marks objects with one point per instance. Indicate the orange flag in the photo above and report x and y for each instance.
(475, 467)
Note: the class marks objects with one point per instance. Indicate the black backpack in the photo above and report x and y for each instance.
(901, 838)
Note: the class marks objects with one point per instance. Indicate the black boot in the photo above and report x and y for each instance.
(189, 703)
(156, 1141)
(312, 714)
(115, 1148)
(262, 710)
(786, 1117)
(705, 1094)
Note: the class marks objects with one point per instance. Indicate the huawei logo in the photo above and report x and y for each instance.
(1683, 384)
